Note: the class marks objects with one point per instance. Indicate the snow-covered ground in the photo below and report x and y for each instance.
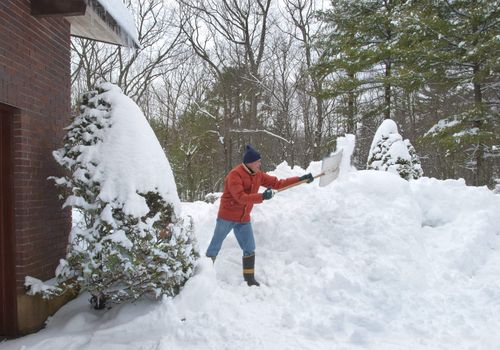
(369, 262)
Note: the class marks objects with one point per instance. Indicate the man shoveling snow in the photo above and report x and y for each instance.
(241, 188)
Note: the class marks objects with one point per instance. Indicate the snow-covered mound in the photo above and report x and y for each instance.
(369, 262)
(120, 155)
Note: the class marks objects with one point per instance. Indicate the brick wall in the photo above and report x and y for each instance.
(35, 79)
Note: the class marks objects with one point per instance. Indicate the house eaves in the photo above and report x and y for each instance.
(101, 20)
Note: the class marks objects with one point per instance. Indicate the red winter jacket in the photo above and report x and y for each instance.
(240, 192)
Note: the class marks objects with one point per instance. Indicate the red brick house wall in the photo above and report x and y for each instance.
(35, 87)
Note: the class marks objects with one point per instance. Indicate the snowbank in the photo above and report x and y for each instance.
(369, 262)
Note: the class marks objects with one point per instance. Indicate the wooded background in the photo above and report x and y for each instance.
(290, 76)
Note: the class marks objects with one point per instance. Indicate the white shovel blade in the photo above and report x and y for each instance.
(331, 168)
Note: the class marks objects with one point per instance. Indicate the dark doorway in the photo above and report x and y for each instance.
(8, 309)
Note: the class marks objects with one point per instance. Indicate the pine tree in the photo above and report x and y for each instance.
(114, 253)
(194, 154)
(362, 43)
(364, 61)
(457, 45)
(389, 152)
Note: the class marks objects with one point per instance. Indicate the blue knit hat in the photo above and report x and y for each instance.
(251, 155)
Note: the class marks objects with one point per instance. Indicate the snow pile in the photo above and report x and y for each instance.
(369, 262)
(37, 286)
(346, 144)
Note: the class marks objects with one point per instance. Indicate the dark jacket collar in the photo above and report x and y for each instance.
(247, 169)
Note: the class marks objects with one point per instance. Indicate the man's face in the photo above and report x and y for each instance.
(254, 166)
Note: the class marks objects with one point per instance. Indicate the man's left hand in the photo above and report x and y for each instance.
(308, 177)
(268, 194)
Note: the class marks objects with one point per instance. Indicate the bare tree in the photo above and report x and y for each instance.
(230, 37)
(280, 92)
(301, 14)
(177, 91)
(133, 70)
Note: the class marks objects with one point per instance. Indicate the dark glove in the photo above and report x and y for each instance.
(268, 194)
(307, 177)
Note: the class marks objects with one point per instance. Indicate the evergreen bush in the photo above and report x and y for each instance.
(389, 152)
(115, 253)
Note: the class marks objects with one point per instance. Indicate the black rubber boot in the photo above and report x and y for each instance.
(248, 270)
(98, 301)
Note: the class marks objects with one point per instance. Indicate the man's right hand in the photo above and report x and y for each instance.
(268, 194)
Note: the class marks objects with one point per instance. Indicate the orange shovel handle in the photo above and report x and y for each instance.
(298, 183)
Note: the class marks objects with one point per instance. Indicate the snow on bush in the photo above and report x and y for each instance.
(133, 240)
(389, 152)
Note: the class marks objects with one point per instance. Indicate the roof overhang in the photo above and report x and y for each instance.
(89, 19)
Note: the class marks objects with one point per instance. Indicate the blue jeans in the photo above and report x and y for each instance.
(242, 231)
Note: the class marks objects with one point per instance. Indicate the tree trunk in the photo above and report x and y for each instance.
(478, 104)
(318, 133)
(387, 94)
(351, 98)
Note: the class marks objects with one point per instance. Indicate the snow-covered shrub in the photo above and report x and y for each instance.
(389, 152)
(416, 166)
(133, 240)
(212, 197)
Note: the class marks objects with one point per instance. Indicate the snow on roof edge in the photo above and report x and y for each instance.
(122, 16)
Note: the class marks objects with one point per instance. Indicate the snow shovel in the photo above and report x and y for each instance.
(330, 167)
